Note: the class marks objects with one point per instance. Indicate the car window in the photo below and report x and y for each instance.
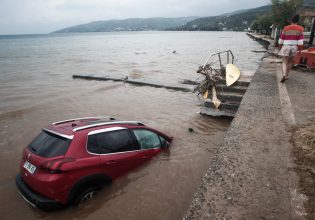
(47, 144)
(147, 139)
(110, 142)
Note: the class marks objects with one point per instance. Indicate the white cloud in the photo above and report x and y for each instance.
(42, 16)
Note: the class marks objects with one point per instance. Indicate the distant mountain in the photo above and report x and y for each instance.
(236, 21)
(234, 12)
(131, 24)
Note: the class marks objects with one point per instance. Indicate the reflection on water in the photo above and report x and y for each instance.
(36, 89)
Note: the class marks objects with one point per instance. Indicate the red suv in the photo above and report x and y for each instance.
(69, 161)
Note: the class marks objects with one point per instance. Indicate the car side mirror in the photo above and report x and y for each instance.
(165, 144)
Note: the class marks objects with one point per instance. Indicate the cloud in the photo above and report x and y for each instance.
(42, 16)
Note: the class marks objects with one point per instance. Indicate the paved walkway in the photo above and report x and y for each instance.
(251, 175)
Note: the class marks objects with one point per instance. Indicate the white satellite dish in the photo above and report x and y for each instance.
(232, 74)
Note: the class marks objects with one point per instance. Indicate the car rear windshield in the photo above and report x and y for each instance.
(49, 145)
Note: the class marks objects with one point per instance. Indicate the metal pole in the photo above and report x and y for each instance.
(220, 60)
(312, 34)
(228, 57)
(207, 61)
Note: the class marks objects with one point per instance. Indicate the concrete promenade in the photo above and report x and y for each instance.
(252, 174)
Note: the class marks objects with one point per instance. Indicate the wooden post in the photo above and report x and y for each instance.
(310, 44)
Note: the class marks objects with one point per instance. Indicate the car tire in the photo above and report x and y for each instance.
(85, 194)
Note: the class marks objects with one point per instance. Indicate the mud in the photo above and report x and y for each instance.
(303, 139)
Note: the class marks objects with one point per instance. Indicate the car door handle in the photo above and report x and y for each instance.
(145, 156)
(111, 162)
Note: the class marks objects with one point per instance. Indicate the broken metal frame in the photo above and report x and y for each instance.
(228, 54)
(212, 75)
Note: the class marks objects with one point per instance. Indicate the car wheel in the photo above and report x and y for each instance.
(85, 195)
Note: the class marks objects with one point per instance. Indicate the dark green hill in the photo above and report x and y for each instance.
(233, 21)
(132, 24)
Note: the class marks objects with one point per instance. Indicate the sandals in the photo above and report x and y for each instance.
(283, 79)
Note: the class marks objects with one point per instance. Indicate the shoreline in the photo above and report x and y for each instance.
(263, 39)
(252, 174)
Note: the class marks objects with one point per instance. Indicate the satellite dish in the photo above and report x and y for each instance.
(232, 74)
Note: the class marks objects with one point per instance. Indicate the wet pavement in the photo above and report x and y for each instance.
(252, 174)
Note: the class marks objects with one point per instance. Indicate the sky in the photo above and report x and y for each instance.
(45, 16)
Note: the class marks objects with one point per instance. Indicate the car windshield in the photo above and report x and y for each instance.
(49, 145)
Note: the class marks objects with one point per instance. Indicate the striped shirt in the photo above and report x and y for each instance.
(292, 35)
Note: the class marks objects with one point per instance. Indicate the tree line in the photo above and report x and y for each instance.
(280, 14)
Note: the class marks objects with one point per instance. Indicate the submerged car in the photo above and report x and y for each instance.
(69, 161)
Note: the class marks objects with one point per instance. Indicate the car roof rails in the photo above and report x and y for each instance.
(108, 123)
(85, 118)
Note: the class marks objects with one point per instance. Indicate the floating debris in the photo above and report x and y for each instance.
(212, 74)
(259, 51)
(189, 82)
(125, 79)
(190, 129)
(219, 86)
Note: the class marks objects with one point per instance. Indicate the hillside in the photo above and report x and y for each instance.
(132, 24)
(233, 21)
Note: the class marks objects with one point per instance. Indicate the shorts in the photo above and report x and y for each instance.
(288, 50)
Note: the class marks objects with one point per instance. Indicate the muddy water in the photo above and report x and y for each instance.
(36, 89)
(161, 189)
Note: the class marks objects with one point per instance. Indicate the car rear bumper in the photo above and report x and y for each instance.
(33, 198)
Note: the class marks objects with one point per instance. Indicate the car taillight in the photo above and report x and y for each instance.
(55, 166)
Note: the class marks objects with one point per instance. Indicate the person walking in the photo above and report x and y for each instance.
(290, 42)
